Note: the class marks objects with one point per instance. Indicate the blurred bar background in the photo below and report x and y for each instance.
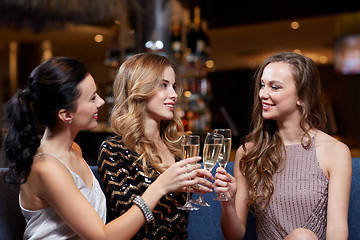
(216, 44)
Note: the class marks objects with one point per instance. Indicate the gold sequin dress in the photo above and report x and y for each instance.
(123, 177)
(300, 197)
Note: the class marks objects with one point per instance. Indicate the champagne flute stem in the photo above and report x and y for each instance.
(187, 193)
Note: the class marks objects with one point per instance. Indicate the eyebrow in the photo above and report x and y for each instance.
(272, 81)
(168, 82)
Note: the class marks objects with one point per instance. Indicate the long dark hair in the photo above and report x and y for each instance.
(52, 86)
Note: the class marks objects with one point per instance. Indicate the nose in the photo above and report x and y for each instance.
(263, 93)
(173, 94)
(100, 102)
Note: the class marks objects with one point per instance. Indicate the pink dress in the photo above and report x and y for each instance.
(300, 197)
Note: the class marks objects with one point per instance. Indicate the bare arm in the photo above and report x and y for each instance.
(235, 211)
(56, 186)
(339, 167)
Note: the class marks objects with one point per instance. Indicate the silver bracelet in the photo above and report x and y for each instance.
(144, 208)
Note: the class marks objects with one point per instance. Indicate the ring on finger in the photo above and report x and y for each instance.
(196, 186)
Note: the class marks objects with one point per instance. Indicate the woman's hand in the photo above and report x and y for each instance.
(183, 173)
(224, 183)
(203, 185)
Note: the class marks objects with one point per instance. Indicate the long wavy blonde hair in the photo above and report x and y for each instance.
(264, 159)
(137, 79)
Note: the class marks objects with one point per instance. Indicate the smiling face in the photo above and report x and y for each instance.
(278, 93)
(86, 114)
(161, 105)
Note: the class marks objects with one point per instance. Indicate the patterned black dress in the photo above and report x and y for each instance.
(123, 177)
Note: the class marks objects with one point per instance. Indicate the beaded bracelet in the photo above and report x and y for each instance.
(144, 208)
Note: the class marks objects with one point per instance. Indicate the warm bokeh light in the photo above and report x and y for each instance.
(98, 38)
(46, 50)
(209, 63)
(298, 51)
(295, 25)
(323, 59)
(187, 94)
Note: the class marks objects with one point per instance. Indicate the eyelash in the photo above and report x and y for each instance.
(164, 85)
(274, 87)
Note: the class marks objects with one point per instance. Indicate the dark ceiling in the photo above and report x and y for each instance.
(218, 13)
(222, 13)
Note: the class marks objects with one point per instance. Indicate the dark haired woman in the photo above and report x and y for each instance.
(295, 175)
(59, 196)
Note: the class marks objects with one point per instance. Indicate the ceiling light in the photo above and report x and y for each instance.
(98, 38)
(294, 25)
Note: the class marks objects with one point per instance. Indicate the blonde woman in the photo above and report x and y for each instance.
(295, 175)
(146, 89)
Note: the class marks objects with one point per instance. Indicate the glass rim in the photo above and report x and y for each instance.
(226, 132)
(214, 133)
(222, 129)
(190, 135)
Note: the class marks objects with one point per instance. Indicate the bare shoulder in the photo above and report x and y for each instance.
(45, 166)
(330, 147)
(333, 154)
(47, 174)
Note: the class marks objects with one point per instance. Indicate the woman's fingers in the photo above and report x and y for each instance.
(197, 188)
(188, 161)
(223, 181)
(204, 173)
(201, 185)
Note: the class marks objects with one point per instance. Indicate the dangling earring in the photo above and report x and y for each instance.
(70, 121)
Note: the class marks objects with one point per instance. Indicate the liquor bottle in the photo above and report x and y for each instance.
(203, 42)
(202, 39)
(175, 39)
(191, 35)
(112, 57)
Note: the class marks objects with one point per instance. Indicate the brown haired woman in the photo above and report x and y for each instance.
(295, 175)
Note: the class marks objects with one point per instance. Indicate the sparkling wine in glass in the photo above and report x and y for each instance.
(224, 155)
(190, 148)
(212, 147)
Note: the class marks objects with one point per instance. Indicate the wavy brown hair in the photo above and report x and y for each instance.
(261, 161)
(137, 80)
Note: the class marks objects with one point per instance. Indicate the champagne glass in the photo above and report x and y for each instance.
(224, 155)
(190, 148)
(212, 147)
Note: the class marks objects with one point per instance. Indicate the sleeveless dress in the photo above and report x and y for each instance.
(300, 197)
(47, 224)
(123, 177)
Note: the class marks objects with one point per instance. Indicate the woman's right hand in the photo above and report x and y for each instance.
(184, 173)
(224, 183)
